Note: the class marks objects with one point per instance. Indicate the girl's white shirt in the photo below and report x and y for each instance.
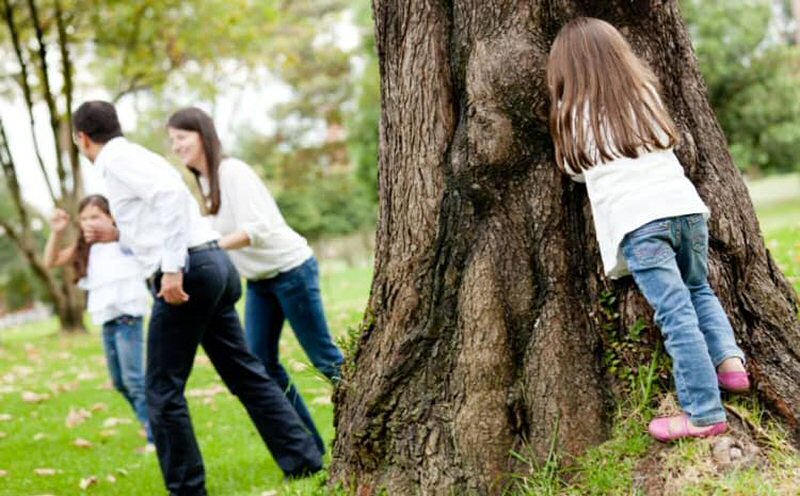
(626, 193)
(247, 205)
(115, 282)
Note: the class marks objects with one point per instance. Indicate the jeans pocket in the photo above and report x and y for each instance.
(646, 252)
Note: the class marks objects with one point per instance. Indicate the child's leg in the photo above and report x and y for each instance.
(112, 357)
(651, 259)
(692, 258)
(130, 349)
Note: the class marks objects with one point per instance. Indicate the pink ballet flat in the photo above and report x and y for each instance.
(735, 382)
(661, 429)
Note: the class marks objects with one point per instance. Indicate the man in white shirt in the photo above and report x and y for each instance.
(196, 288)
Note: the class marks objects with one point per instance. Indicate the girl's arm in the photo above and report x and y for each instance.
(234, 240)
(53, 256)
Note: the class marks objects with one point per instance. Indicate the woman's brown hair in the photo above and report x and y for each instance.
(194, 119)
(603, 100)
(81, 260)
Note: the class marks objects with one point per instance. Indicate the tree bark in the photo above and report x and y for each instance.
(485, 328)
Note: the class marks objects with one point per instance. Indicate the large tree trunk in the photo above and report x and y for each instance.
(485, 329)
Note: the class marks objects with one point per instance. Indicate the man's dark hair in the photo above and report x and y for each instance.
(98, 120)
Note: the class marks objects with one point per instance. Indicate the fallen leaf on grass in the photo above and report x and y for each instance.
(269, 493)
(122, 471)
(45, 472)
(321, 400)
(77, 417)
(39, 436)
(64, 387)
(105, 434)
(207, 392)
(6, 417)
(99, 407)
(86, 376)
(110, 478)
(82, 443)
(3, 434)
(297, 366)
(89, 481)
(31, 397)
(113, 422)
(3, 473)
(202, 360)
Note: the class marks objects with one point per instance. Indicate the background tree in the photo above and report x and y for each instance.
(321, 157)
(129, 46)
(752, 72)
(489, 316)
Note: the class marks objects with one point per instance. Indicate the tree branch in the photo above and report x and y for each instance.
(55, 121)
(66, 69)
(26, 91)
(10, 173)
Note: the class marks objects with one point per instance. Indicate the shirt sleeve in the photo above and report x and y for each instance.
(167, 196)
(253, 207)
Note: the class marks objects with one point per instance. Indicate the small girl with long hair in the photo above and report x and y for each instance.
(117, 296)
(612, 132)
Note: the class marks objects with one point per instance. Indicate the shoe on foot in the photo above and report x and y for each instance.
(734, 382)
(666, 429)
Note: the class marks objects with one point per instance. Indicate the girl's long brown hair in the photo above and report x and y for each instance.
(194, 119)
(603, 100)
(81, 260)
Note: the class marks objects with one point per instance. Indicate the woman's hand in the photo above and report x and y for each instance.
(172, 288)
(59, 221)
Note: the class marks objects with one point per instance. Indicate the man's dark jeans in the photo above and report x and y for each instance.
(210, 319)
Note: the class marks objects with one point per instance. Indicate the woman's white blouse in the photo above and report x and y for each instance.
(247, 205)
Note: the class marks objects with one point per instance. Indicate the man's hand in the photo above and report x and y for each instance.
(172, 288)
(100, 231)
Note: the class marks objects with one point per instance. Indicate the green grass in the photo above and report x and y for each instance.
(71, 371)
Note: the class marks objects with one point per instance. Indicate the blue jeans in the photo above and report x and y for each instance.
(122, 340)
(292, 295)
(669, 262)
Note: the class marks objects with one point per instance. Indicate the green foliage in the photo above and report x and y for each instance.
(327, 206)
(363, 120)
(321, 160)
(626, 350)
(753, 80)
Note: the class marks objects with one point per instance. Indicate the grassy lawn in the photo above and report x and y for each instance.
(69, 374)
(44, 376)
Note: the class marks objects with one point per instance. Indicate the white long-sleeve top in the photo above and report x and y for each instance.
(627, 193)
(247, 205)
(115, 284)
(157, 217)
